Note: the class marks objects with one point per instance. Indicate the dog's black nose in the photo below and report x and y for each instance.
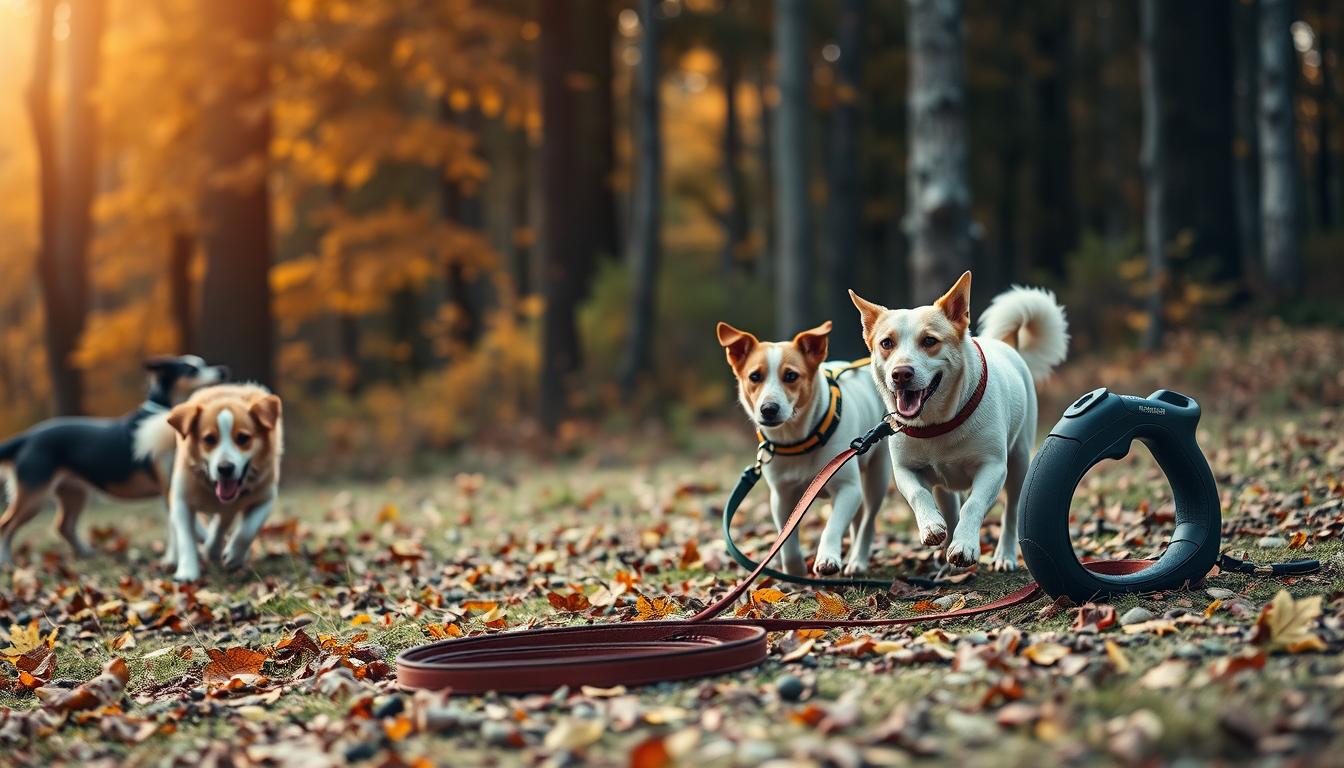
(224, 373)
(226, 470)
(770, 411)
(902, 374)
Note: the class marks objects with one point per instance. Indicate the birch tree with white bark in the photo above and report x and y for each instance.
(938, 218)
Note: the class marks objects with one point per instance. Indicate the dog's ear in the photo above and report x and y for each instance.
(737, 344)
(159, 363)
(183, 418)
(266, 411)
(956, 303)
(868, 314)
(813, 343)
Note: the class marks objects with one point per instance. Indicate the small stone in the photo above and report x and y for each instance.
(389, 707)
(947, 601)
(790, 687)
(302, 620)
(1271, 542)
(1187, 651)
(197, 694)
(360, 751)
(1218, 593)
(1136, 615)
(497, 733)
(755, 752)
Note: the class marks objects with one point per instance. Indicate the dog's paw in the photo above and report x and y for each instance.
(825, 565)
(235, 560)
(1004, 564)
(933, 534)
(185, 575)
(856, 567)
(82, 550)
(962, 554)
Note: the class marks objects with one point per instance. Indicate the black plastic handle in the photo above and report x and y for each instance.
(1102, 425)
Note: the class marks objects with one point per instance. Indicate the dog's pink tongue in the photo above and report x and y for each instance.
(907, 402)
(226, 490)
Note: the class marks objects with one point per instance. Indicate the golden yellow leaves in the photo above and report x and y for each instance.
(654, 609)
(831, 606)
(25, 639)
(1287, 624)
(766, 596)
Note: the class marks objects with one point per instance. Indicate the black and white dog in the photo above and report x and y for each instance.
(69, 457)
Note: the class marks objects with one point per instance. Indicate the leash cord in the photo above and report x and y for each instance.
(640, 653)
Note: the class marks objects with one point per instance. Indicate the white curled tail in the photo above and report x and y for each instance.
(1031, 321)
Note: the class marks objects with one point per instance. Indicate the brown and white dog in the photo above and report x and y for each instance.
(927, 369)
(75, 457)
(229, 440)
(806, 411)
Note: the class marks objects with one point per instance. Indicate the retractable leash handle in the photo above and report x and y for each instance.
(1103, 425)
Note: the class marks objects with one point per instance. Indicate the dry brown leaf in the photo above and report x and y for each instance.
(225, 665)
(102, 691)
(1045, 654)
(650, 753)
(1117, 657)
(1228, 666)
(1288, 624)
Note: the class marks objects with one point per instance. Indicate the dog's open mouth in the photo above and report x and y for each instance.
(228, 489)
(910, 402)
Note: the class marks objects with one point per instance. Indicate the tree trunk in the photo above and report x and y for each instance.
(939, 195)
(1278, 157)
(181, 248)
(793, 206)
(1246, 148)
(646, 223)
(1055, 204)
(1154, 169)
(766, 265)
(1325, 205)
(845, 200)
(236, 326)
(67, 172)
(564, 250)
(595, 30)
(736, 223)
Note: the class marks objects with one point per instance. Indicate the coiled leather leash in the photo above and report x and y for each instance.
(638, 653)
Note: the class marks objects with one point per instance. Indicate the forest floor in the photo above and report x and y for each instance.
(292, 659)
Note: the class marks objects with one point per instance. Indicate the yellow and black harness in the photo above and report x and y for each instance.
(825, 427)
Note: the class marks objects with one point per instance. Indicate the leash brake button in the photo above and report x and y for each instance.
(1086, 402)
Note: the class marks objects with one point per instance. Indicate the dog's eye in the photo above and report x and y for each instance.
(790, 377)
(210, 440)
(929, 341)
(887, 343)
(242, 439)
(756, 377)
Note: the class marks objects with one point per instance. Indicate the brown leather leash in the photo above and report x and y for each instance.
(639, 653)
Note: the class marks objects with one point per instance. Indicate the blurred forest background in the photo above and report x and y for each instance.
(433, 221)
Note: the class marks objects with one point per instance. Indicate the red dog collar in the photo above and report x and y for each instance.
(936, 430)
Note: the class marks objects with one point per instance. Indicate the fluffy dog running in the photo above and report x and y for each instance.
(70, 457)
(806, 411)
(229, 440)
(969, 404)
